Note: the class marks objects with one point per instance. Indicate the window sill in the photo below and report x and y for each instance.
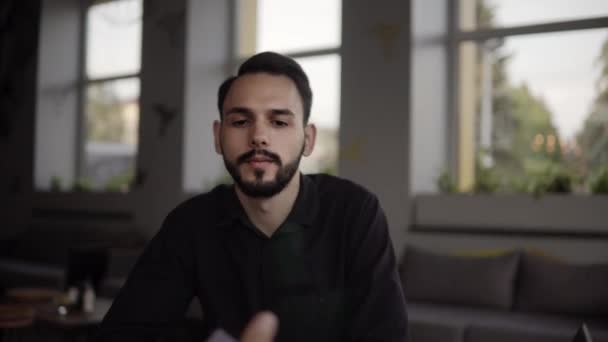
(113, 206)
(559, 214)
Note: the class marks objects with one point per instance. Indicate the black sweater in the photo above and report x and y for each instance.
(328, 272)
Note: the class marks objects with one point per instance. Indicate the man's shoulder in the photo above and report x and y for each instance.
(333, 188)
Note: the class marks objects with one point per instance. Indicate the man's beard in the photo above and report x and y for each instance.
(260, 188)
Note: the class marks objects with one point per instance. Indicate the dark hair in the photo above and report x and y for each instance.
(274, 64)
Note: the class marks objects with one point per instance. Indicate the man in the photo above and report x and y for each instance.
(314, 250)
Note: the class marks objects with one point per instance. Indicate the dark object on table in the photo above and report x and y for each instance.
(582, 335)
(86, 265)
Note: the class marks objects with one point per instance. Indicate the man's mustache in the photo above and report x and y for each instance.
(246, 156)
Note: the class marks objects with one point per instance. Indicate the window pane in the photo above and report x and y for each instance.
(112, 120)
(535, 103)
(508, 13)
(288, 25)
(113, 38)
(324, 75)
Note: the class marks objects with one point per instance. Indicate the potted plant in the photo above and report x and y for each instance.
(552, 180)
(599, 182)
(446, 183)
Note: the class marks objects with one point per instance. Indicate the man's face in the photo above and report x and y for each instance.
(262, 135)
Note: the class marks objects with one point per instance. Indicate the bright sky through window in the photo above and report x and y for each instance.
(559, 67)
(114, 38)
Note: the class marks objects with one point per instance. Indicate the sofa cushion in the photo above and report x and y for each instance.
(486, 324)
(547, 285)
(428, 331)
(534, 327)
(471, 281)
(477, 333)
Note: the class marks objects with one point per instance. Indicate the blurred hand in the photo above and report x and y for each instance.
(262, 328)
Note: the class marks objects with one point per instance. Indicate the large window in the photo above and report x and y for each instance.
(88, 95)
(310, 32)
(110, 94)
(531, 91)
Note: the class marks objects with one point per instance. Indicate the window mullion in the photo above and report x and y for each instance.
(79, 145)
(452, 103)
(485, 34)
(111, 78)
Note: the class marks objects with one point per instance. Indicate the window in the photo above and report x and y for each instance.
(110, 94)
(310, 32)
(532, 95)
(88, 95)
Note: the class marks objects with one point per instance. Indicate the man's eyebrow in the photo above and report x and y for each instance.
(239, 110)
(281, 111)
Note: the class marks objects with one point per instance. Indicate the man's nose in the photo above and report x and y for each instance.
(259, 136)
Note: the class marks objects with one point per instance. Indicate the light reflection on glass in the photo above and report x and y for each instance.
(113, 38)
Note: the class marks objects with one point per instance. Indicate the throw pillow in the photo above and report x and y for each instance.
(473, 281)
(547, 285)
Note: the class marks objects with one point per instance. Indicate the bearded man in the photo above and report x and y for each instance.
(313, 250)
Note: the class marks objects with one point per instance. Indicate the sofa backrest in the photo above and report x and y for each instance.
(473, 281)
(515, 280)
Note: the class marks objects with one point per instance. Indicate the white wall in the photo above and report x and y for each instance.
(207, 54)
(429, 94)
(56, 114)
(163, 79)
(374, 131)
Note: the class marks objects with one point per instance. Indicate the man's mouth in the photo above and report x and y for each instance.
(261, 158)
(259, 161)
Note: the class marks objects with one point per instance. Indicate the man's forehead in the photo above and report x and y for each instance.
(264, 89)
(264, 81)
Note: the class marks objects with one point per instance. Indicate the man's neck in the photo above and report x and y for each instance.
(267, 214)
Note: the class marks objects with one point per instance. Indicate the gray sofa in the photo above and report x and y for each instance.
(515, 296)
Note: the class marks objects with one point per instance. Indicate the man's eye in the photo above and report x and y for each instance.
(279, 123)
(239, 123)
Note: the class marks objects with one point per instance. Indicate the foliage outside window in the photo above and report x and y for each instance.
(532, 102)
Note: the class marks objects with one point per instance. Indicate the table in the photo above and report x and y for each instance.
(14, 318)
(76, 325)
(44, 317)
(32, 295)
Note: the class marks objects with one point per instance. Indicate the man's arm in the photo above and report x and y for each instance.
(375, 297)
(157, 291)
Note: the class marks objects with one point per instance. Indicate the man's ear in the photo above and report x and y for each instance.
(217, 127)
(310, 136)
